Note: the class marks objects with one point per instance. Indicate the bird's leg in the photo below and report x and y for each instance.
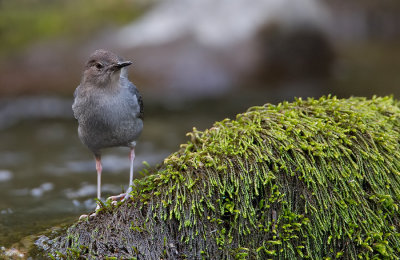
(126, 195)
(99, 168)
(132, 158)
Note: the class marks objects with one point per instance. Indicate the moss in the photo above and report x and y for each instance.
(308, 179)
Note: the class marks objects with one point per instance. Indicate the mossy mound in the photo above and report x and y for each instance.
(315, 178)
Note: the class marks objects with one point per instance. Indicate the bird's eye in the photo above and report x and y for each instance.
(99, 66)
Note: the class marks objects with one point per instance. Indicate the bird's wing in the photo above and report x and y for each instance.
(73, 110)
(133, 90)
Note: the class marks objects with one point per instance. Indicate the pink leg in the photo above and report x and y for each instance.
(124, 196)
(99, 168)
(132, 158)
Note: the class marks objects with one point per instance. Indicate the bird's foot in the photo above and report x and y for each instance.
(121, 197)
(85, 216)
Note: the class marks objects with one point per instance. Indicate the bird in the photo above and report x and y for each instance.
(109, 111)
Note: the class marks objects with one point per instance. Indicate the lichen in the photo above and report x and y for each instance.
(315, 178)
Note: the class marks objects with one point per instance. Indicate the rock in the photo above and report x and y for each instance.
(203, 49)
(311, 178)
(11, 253)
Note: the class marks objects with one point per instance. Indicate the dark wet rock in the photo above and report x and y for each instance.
(294, 53)
(43, 242)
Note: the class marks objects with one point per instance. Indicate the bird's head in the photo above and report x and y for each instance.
(103, 68)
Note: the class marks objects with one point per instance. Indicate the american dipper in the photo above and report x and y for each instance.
(109, 110)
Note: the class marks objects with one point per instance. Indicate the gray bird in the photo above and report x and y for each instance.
(109, 110)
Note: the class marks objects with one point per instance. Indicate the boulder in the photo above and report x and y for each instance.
(315, 178)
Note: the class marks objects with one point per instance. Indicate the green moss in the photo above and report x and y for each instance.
(308, 179)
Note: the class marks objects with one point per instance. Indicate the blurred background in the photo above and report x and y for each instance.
(195, 62)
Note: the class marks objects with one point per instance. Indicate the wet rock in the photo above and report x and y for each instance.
(11, 253)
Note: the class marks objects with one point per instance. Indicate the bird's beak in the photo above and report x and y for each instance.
(122, 64)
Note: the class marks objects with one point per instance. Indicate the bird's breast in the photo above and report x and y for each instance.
(106, 121)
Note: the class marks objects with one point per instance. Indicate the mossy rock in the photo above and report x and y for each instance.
(315, 179)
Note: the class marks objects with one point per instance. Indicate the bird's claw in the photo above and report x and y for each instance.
(119, 198)
(94, 214)
(83, 217)
(114, 201)
(87, 217)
